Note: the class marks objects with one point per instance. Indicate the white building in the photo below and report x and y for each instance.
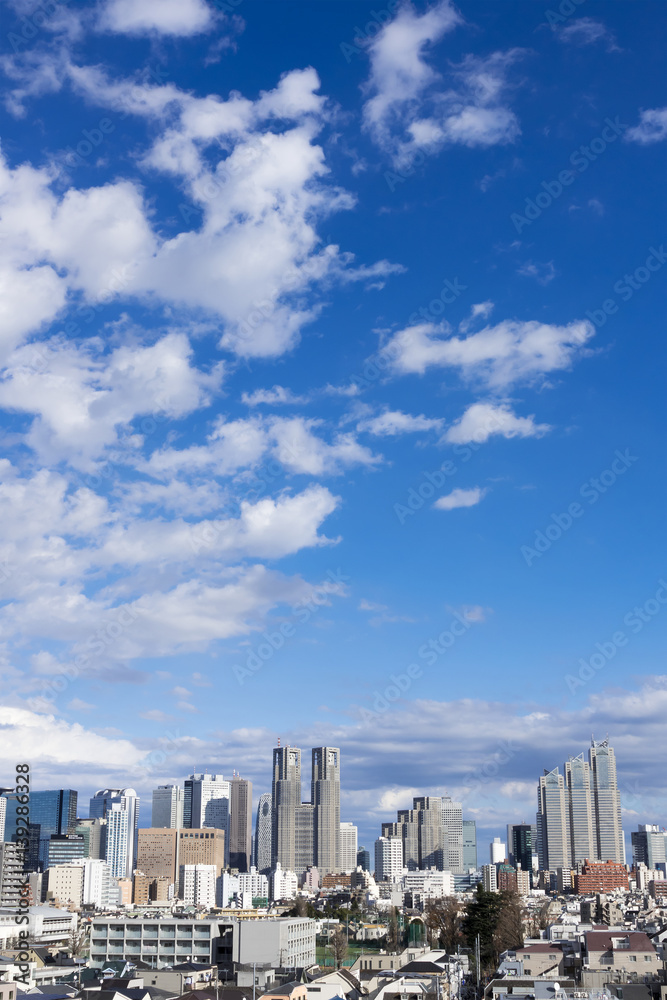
(490, 878)
(497, 851)
(84, 881)
(254, 884)
(452, 819)
(427, 885)
(197, 885)
(120, 808)
(228, 887)
(3, 814)
(283, 884)
(348, 847)
(64, 885)
(207, 803)
(388, 858)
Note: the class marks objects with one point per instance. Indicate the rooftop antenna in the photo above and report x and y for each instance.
(279, 742)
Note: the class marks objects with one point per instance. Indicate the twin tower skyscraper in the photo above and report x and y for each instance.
(301, 833)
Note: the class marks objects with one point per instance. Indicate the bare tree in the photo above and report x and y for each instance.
(509, 932)
(443, 920)
(393, 930)
(338, 944)
(301, 906)
(77, 941)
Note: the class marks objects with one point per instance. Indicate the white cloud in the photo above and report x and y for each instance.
(652, 127)
(482, 420)
(162, 17)
(394, 422)
(301, 451)
(460, 498)
(542, 272)
(409, 110)
(587, 31)
(497, 356)
(278, 395)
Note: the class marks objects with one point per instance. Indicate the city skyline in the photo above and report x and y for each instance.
(331, 369)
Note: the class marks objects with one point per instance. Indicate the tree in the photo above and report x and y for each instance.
(443, 921)
(509, 928)
(497, 917)
(393, 930)
(338, 944)
(301, 906)
(77, 940)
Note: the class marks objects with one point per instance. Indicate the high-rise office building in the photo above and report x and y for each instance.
(120, 808)
(285, 797)
(94, 833)
(207, 803)
(469, 834)
(520, 845)
(608, 825)
(388, 858)
(3, 815)
(202, 847)
(63, 848)
(579, 815)
(167, 807)
(364, 859)
(348, 847)
(51, 812)
(240, 824)
(422, 833)
(452, 819)
(304, 837)
(263, 833)
(325, 799)
(649, 845)
(157, 852)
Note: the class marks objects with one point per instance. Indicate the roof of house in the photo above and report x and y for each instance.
(285, 988)
(542, 948)
(602, 940)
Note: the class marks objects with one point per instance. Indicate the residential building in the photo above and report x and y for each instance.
(522, 882)
(282, 943)
(282, 884)
(506, 877)
(3, 816)
(254, 883)
(325, 799)
(147, 889)
(240, 824)
(197, 885)
(490, 878)
(543, 959)
(600, 877)
(388, 858)
(12, 874)
(285, 797)
(263, 832)
(626, 952)
(167, 807)
(120, 808)
(83, 882)
(469, 847)
(425, 885)
(348, 847)
(64, 885)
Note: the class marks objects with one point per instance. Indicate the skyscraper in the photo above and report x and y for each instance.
(348, 847)
(388, 858)
(167, 807)
(51, 812)
(579, 815)
(263, 833)
(240, 824)
(325, 799)
(608, 826)
(285, 797)
(422, 833)
(304, 838)
(520, 845)
(452, 819)
(469, 833)
(206, 802)
(649, 845)
(120, 808)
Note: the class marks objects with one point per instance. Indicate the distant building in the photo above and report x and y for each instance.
(12, 875)
(388, 858)
(521, 843)
(648, 845)
(207, 804)
(452, 820)
(240, 824)
(497, 851)
(490, 878)
(168, 803)
(94, 833)
(283, 884)
(197, 885)
(469, 833)
(506, 878)
(364, 859)
(600, 877)
(62, 848)
(348, 847)
(263, 827)
(83, 882)
(157, 852)
(120, 808)
(254, 883)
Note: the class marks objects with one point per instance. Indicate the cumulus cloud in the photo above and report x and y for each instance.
(587, 31)
(497, 356)
(482, 420)
(652, 127)
(393, 422)
(408, 109)
(460, 498)
(160, 17)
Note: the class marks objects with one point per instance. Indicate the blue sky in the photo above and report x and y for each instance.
(329, 331)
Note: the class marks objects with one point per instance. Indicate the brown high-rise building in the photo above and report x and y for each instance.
(157, 852)
(202, 847)
(240, 826)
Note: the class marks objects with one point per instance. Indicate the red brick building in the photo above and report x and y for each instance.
(601, 876)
